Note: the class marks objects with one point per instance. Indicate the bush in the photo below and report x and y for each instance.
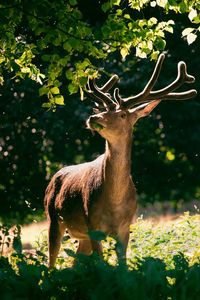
(158, 268)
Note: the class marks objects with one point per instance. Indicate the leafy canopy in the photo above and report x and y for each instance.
(45, 39)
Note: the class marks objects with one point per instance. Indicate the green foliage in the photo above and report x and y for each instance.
(10, 236)
(153, 271)
(44, 40)
(166, 241)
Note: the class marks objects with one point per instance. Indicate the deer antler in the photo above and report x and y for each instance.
(100, 95)
(164, 94)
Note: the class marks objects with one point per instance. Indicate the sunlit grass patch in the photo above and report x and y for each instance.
(148, 239)
(165, 241)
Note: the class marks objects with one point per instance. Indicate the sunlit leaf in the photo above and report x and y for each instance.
(59, 100)
(186, 31)
(72, 88)
(46, 105)
(55, 90)
(191, 37)
(105, 6)
(192, 14)
(43, 91)
(124, 52)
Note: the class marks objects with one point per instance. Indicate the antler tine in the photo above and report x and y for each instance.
(154, 77)
(141, 97)
(182, 78)
(109, 84)
(163, 94)
(179, 96)
(99, 96)
(117, 97)
(96, 100)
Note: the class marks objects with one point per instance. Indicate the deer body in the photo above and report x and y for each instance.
(100, 195)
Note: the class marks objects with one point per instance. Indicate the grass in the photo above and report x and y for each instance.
(163, 263)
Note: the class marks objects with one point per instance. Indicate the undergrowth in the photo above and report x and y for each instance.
(163, 263)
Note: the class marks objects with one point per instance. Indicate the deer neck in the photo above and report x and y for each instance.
(118, 163)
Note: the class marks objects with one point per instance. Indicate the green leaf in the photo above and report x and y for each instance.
(69, 74)
(152, 21)
(67, 46)
(154, 55)
(2, 58)
(171, 22)
(140, 53)
(72, 2)
(63, 61)
(43, 91)
(55, 90)
(52, 76)
(191, 37)
(142, 23)
(81, 93)
(124, 52)
(169, 29)
(59, 100)
(192, 14)
(115, 2)
(77, 14)
(127, 16)
(186, 31)
(196, 20)
(46, 105)
(72, 88)
(160, 43)
(1, 80)
(82, 81)
(162, 3)
(105, 7)
(25, 70)
(153, 3)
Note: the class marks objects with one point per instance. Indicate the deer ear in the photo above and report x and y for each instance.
(144, 109)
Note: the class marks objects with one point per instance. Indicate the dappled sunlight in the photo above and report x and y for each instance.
(161, 237)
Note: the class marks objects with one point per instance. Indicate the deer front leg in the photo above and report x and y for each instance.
(122, 243)
(84, 247)
(56, 232)
(97, 247)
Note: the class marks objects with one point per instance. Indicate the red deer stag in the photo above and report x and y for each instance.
(100, 195)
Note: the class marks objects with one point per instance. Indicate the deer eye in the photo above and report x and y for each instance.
(123, 116)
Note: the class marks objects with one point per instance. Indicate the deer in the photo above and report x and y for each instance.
(100, 195)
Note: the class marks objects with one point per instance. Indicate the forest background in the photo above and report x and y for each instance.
(48, 49)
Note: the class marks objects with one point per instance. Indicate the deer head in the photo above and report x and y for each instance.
(120, 114)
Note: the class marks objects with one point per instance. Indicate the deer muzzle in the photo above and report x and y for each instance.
(95, 123)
